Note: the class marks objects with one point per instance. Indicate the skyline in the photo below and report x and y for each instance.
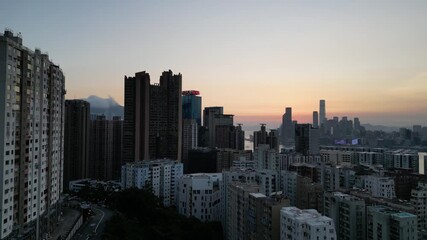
(366, 59)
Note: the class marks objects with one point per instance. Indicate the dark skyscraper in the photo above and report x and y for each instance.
(105, 148)
(136, 113)
(322, 112)
(315, 119)
(76, 140)
(153, 117)
(356, 124)
(117, 146)
(240, 137)
(288, 128)
(264, 137)
(192, 106)
(101, 153)
(306, 139)
(260, 137)
(214, 117)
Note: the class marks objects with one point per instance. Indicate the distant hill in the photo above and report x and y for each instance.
(106, 106)
(371, 127)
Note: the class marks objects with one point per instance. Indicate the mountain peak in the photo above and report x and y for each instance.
(96, 101)
(105, 106)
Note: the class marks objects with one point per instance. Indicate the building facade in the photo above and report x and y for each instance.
(189, 136)
(379, 186)
(200, 196)
(322, 113)
(307, 139)
(348, 213)
(32, 90)
(192, 106)
(386, 223)
(153, 117)
(105, 148)
(297, 224)
(76, 140)
(288, 128)
(161, 176)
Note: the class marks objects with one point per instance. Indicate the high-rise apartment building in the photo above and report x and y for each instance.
(105, 148)
(76, 140)
(263, 221)
(32, 90)
(306, 139)
(153, 117)
(309, 194)
(386, 223)
(322, 112)
(237, 208)
(117, 146)
(348, 213)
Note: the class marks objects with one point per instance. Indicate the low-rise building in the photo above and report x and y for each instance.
(158, 175)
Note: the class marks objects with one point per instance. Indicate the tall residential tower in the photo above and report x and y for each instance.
(153, 117)
(32, 90)
(76, 156)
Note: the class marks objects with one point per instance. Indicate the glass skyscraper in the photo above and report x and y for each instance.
(192, 106)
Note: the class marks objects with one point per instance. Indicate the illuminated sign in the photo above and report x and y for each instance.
(191, 93)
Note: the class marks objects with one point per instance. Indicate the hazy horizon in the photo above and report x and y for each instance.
(368, 59)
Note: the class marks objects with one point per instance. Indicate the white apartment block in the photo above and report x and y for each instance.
(200, 195)
(160, 175)
(382, 187)
(296, 224)
(32, 133)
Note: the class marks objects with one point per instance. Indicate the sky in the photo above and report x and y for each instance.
(367, 59)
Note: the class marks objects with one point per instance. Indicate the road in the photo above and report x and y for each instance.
(95, 225)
